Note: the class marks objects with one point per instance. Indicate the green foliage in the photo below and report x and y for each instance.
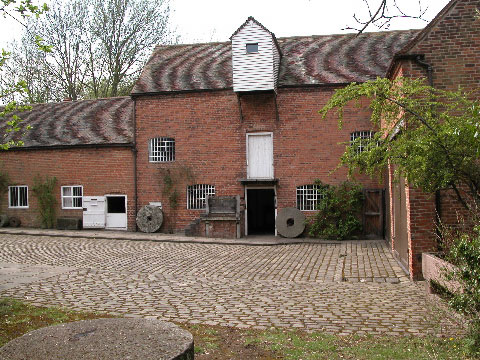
(431, 135)
(10, 89)
(172, 182)
(338, 211)
(465, 254)
(4, 181)
(44, 192)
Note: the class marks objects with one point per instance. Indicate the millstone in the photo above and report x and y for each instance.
(149, 218)
(290, 222)
(141, 339)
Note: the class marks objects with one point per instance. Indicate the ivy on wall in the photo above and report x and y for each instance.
(43, 190)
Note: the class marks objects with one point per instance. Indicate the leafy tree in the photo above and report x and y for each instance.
(9, 89)
(431, 135)
(339, 211)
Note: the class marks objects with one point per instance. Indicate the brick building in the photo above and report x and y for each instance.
(238, 119)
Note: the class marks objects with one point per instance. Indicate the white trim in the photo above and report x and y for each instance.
(161, 149)
(71, 196)
(317, 197)
(196, 189)
(246, 145)
(126, 211)
(274, 187)
(18, 194)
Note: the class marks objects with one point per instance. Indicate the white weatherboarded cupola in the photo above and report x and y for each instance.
(255, 58)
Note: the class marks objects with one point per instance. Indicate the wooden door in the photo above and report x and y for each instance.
(400, 235)
(260, 156)
(373, 213)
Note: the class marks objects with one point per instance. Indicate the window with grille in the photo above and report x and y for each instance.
(18, 196)
(161, 149)
(308, 197)
(72, 197)
(361, 138)
(197, 194)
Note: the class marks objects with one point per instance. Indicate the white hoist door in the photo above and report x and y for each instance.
(93, 212)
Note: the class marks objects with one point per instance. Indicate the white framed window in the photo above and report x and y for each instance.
(161, 149)
(197, 195)
(72, 197)
(18, 196)
(308, 197)
(362, 135)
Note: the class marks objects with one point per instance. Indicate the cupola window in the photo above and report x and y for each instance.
(252, 48)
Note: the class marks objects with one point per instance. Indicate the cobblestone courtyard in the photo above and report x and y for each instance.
(352, 287)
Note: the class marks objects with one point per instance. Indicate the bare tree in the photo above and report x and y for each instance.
(64, 27)
(126, 31)
(380, 14)
(98, 47)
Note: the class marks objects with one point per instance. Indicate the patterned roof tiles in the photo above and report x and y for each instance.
(86, 122)
(326, 59)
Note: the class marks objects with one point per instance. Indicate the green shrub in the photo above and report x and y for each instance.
(339, 211)
(465, 254)
(44, 192)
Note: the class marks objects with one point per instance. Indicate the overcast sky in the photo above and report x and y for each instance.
(216, 20)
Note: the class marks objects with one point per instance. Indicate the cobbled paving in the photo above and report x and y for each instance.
(353, 287)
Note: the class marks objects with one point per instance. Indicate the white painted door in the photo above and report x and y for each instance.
(116, 214)
(260, 156)
(93, 212)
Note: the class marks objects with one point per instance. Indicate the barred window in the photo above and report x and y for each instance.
(161, 149)
(18, 196)
(72, 197)
(197, 194)
(308, 197)
(362, 135)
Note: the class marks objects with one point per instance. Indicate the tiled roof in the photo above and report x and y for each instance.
(86, 122)
(326, 59)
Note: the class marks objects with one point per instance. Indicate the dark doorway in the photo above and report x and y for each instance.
(261, 211)
(116, 205)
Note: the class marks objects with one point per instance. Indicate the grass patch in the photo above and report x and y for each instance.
(305, 346)
(18, 318)
(219, 343)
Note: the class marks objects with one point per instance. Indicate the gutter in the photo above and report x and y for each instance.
(73, 146)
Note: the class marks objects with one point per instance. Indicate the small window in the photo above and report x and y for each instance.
(252, 48)
(161, 149)
(361, 135)
(197, 195)
(308, 197)
(18, 196)
(72, 197)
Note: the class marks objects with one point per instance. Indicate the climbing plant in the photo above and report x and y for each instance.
(338, 215)
(43, 190)
(172, 181)
(4, 181)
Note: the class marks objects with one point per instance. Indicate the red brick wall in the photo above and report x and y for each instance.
(452, 48)
(101, 171)
(210, 138)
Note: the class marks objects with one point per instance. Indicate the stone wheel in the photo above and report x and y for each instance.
(290, 222)
(150, 218)
(15, 221)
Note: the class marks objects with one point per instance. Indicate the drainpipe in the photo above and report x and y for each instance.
(134, 149)
(419, 59)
